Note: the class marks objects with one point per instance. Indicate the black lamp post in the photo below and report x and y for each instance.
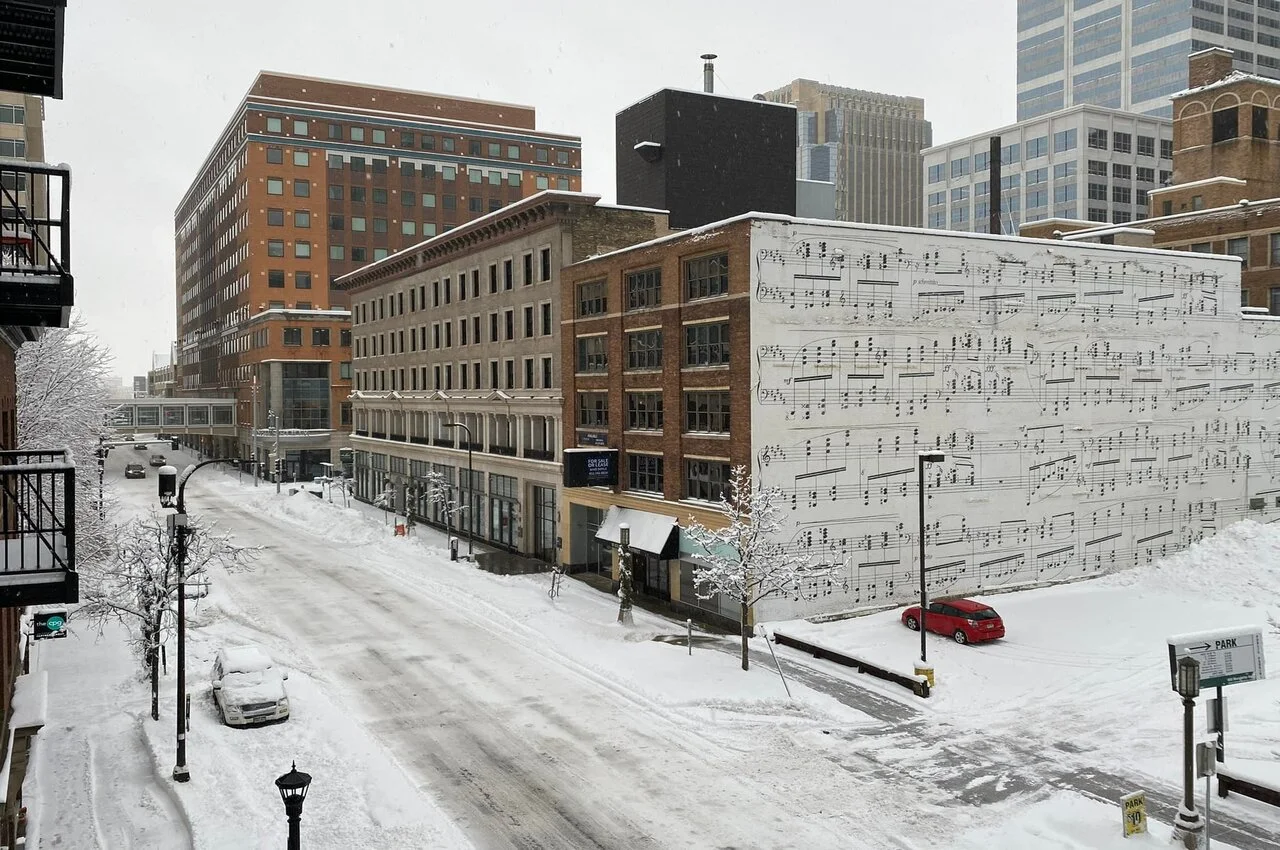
(169, 483)
(924, 457)
(1187, 823)
(293, 790)
(471, 486)
(102, 464)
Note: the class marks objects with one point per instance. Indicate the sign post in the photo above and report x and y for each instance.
(1133, 808)
(1227, 657)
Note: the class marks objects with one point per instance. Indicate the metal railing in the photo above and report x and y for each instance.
(496, 449)
(539, 454)
(35, 219)
(37, 511)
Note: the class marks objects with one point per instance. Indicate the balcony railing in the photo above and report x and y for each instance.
(37, 528)
(399, 438)
(420, 441)
(36, 286)
(475, 447)
(362, 432)
(496, 449)
(378, 435)
(442, 442)
(539, 454)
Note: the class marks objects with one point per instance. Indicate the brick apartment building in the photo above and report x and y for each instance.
(465, 328)
(309, 180)
(1225, 193)
(657, 355)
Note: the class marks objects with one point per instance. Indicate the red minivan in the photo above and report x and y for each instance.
(964, 620)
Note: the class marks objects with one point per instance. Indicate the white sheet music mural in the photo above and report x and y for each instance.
(1098, 407)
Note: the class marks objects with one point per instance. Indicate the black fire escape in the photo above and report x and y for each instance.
(37, 486)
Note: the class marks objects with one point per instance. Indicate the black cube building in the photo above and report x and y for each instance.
(705, 157)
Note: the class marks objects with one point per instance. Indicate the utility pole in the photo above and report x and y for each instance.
(255, 431)
(276, 418)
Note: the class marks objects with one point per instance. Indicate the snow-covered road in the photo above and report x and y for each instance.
(522, 746)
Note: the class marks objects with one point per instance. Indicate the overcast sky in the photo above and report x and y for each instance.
(149, 84)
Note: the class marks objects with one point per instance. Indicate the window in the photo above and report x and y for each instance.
(593, 410)
(301, 158)
(706, 277)
(357, 134)
(409, 228)
(508, 276)
(301, 218)
(1098, 139)
(335, 131)
(319, 336)
(546, 319)
(302, 249)
(562, 157)
(706, 480)
(1065, 170)
(644, 473)
(293, 336)
(1166, 177)
(275, 218)
(528, 321)
(1275, 249)
(1146, 146)
(335, 193)
(275, 156)
(1202, 248)
(379, 137)
(428, 200)
(302, 188)
(1239, 247)
(337, 252)
(706, 345)
(407, 139)
(644, 411)
(449, 202)
(408, 199)
(509, 322)
(511, 373)
(1122, 142)
(275, 278)
(1166, 148)
(336, 222)
(644, 289)
(1120, 171)
(1097, 191)
(275, 247)
(493, 278)
(936, 174)
(1098, 169)
(275, 186)
(513, 151)
(592, 298)
(1146, 175)
(544, 264)
(1197, 202)
(1226, 124)
(302, 280)
(1140, 197)
(1121, 194)
(493, 327)
(475, 204)
(358, 224)
(13, 114)
(546, 372)
(379, 225)
(379, 195)
(540, 183)
(1037, 147)
(593, 354)
(1273, 301)
(707, 412)
(274, 125)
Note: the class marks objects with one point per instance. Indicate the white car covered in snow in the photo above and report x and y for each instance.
(248, 687)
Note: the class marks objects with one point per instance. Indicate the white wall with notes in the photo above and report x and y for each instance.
(1098, 407)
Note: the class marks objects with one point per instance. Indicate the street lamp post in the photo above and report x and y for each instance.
(1187, 823)
(293, 790)
(471, 484)
(254, 436)
(169, 483)
(924, 457)
(102, 467)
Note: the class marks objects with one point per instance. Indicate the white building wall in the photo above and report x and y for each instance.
(1098, 407)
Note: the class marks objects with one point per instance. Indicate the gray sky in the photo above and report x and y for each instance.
(149, 84)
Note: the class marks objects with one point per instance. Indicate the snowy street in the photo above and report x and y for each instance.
(438, 705)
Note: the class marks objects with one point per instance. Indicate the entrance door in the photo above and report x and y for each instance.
(544, 524)
(502, 526)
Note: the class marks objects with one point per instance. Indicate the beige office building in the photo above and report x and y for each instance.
(465, 328)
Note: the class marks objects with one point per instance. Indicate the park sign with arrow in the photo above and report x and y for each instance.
(1226, 656)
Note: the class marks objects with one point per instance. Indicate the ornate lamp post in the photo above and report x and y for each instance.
(924, 457)
(293, 790)
(1187, 824)
(471, 485)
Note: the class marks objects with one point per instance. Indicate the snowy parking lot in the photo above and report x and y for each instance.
(440, 706)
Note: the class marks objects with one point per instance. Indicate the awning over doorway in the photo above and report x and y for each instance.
(656, 534)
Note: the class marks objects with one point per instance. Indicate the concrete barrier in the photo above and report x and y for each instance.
(919, 685)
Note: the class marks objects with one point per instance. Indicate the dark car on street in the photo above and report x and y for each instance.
(157, 460)
(135, 470)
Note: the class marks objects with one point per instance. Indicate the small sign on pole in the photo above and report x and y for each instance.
(1134, 809)
(49, 624)
(1226, 656)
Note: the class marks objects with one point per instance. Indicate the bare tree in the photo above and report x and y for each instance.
(138, 586)
(745, 560)
(63, 383)
(440, 494)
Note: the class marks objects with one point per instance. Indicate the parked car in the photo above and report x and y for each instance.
(128, 438)
(247, 687)
(157, 460)
(964, 620)
(135, 470)
(139, 447)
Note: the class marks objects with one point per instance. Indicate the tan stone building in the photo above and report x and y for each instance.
(1225, 194)
(465, 328)
(311, 179)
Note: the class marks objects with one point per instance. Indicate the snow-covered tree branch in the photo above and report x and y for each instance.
(745, 560)
(138, 585)
(63, 387)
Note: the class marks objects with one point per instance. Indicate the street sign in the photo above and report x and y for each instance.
(1134, 809)
(49, 624)
(1226, 656)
